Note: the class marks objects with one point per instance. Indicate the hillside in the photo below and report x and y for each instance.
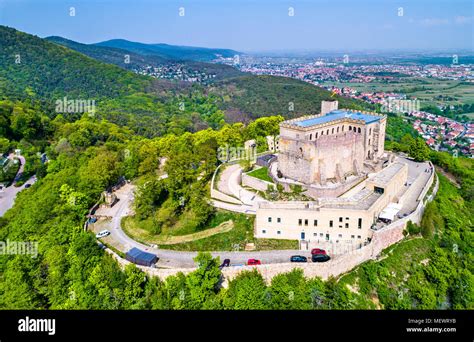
(151, 107)
(33, 67)
(249, 97)
(109, 54)
(170, 51)
(139, 61)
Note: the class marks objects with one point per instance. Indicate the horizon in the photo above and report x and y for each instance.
(415, 26)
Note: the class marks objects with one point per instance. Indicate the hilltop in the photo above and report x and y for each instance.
(50, 69)
(170, 51)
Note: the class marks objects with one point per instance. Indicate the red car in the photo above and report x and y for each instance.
(315, 251)
(253, 262)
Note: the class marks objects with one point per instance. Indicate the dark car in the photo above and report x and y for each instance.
(318, 251)
(298, 258)
(225, 263)
(27, 185)
(320, 258)
(253, 262)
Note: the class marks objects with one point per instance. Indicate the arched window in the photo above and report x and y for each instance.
(358, 131)
(350, 128)
(316, 137)
(327, 132)
(332, 132)
(343, 128)
(310, 137)
(370, 131)
(337, 129)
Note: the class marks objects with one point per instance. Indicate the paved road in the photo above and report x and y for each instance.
(417, 179)
(169, 258)
(238, 208)
(8, 195)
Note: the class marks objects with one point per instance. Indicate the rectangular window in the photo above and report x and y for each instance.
(279, 232)
(264, 231)
(359, 225)
(306, 222)
(321, 234)
(315, 223)
(270, 219)
(352, 236)
(279, 219)
(358, 236)
(378, 190)
(330, 224)
(340, 219)
(347, 218)
(300, 222)
(340, 235)
(347, 225)
(315, 234)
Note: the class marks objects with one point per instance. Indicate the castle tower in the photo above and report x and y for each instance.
(328, 106)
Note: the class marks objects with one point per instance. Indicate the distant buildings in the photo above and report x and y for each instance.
(443, 133)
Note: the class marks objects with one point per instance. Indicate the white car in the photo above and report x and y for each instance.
(103, 233)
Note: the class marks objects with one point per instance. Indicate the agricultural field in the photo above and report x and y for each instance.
(427, 90)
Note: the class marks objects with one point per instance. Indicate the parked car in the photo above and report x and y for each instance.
(225, 263)
(253, 262)
(27, 185)
(320, 258)
(298, 258)
(102, 233)
(318, 251)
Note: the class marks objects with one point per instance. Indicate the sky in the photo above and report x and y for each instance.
(254, 26)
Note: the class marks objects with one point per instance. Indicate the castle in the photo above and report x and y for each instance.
(331, 146)
(338, 160)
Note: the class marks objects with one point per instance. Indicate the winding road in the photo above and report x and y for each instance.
(179, 259)
(8, 195)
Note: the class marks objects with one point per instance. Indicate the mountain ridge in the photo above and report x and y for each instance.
(180, 52)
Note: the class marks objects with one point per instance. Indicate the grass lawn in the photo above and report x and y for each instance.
(236, 239)
(261, 173)
(134, 230)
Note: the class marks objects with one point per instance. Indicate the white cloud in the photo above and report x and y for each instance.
(461, 19)
(434, 21)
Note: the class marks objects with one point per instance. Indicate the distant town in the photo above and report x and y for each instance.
(380, 82)
(376, 80)
(444, 134)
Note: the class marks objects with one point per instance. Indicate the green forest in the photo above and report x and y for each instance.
(139, 123)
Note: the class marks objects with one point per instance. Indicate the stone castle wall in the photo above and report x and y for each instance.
(381, 239)
(329, 157)
(256, 183)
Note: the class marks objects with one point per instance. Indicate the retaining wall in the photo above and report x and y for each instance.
(381, 239)
(255, 183)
